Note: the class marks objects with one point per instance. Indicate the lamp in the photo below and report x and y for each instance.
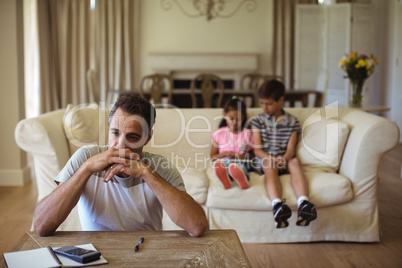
(209, 8)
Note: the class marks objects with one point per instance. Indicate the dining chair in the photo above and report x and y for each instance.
(268, 77)
(91, 84)
(209, 84)
(322, 86)
(252, 82)
(155, 86)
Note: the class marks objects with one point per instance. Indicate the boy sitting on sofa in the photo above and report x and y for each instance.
(275, 137)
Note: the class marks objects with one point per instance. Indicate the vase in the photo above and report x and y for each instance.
(356, 93)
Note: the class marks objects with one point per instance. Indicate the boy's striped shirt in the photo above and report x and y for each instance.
(275, 136)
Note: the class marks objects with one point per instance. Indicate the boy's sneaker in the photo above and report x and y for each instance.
(281, 214)
(306, 213)
(237, 173)
(221, 172)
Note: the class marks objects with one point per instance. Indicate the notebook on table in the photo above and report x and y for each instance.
(45, 257)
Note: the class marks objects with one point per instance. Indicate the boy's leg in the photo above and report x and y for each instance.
(274, 189)
(298, 179)
(306, 210)
(272, 183)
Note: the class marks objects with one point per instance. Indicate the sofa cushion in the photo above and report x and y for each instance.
(326, 189)
(322, 143)
(196, 183)
(85, 124)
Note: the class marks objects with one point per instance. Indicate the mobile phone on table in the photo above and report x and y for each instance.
(78, 254)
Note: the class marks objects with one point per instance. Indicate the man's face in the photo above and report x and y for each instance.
(271, 107)
(127, 131)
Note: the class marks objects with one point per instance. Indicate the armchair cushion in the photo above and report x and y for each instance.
(85, 124)
(196, 183)
(322, 143)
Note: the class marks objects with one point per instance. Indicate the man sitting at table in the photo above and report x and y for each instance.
(119, 187)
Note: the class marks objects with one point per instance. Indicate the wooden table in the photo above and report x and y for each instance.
(216, 248)
(371, 109)
(293, 95)
(182, 97)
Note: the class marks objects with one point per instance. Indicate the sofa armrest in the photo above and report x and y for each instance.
(45, 139)
(370, 138)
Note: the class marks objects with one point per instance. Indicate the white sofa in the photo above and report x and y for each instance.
(340, 149)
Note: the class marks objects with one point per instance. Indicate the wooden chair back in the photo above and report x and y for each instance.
(268, 77)
(250, 81)
(92, 85)
(154, 86)
(210, 84)
(253, 81)
(322, 86)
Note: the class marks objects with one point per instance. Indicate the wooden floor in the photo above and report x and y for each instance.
(17, 204)
(385, 254)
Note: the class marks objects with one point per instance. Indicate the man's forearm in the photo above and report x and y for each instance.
(54, 209)
(186, 213)
(180, 206)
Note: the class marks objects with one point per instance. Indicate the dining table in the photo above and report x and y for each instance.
(215, 248)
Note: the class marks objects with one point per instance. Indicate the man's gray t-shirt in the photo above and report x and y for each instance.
(122, 204)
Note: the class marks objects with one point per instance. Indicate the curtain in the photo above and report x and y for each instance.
(284, 38)
(63, 53)
(116, 24)
(75, 39)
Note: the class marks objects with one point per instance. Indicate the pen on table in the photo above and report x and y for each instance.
(137, 247)
(54, 256)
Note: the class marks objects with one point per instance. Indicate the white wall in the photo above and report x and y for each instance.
(172, 31)
(13, 165)
(381, 32)
(394, 96)
(248, 32)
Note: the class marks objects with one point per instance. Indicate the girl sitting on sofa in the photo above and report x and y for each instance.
(232, 144)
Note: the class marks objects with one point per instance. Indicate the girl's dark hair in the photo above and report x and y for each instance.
(134, 104)
(271, 89)
(235, 104)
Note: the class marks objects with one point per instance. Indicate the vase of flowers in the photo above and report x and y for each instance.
(356, 93)
(358, 68)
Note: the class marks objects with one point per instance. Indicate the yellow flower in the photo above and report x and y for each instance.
(361, 63)
(370, 63)
(353, 55)
(374, 59)
(358, 67)
(342, 63)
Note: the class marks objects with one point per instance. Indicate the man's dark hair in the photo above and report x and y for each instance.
(271, 89)
(134, 104)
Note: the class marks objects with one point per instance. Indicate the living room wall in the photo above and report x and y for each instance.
(171, 31)
(13, 165)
